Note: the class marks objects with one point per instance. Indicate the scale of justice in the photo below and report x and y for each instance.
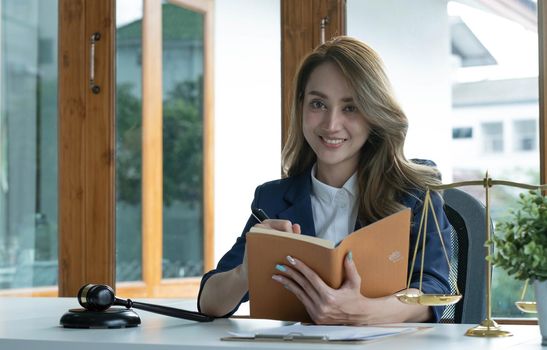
(488, 327)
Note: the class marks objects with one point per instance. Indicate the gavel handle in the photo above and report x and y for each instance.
(165, 310)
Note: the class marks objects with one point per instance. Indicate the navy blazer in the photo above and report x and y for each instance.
(290, 199)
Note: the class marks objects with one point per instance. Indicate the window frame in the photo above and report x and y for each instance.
(153, 284)
(86, 146)
(521, 136)
(87, 152)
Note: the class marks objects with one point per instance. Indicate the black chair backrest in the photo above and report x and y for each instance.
(468, 218)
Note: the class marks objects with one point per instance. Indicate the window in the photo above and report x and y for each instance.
(525, 135)
(492, 135)
(166, 241)
(462, 133)
(183, 53)
(28, 144)
(464, 70)
(128, 141)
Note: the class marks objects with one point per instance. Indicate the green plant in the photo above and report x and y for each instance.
(521, 245)
(182, 144)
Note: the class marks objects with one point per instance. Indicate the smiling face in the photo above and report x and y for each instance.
(333, 126)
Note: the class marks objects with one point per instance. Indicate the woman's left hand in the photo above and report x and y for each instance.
(325, 305)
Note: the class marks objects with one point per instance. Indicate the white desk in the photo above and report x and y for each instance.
(33, 323)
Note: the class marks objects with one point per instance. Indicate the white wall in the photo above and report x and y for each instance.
(412, 37)
(247, 109)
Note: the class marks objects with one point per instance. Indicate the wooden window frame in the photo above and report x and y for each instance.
(153, 284)
(87, 152)
(86, 146)
(300, 34)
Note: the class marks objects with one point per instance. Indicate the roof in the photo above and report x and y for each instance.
(487, 92)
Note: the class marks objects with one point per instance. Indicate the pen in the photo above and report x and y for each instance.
(259, 214)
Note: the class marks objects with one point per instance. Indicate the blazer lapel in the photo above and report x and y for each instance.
(299, 210)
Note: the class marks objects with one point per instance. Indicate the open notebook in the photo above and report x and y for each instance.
(380, 253)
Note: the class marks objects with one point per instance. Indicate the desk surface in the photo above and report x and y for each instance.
(33, 323)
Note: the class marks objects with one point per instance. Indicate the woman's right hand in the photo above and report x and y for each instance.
(280, 225)
(275, 224)
(224, 290)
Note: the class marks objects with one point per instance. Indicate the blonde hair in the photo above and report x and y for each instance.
(384, 174)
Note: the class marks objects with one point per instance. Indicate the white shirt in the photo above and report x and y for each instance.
(334, 209)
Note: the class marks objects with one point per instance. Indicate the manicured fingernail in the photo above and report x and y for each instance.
(291, 260)
(281, 268)
(350, 256)
(277, 278)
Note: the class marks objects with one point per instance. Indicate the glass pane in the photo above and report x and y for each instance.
(128, 140)
(466, 74)
(28, 144)
(526, 135)
(501, 98)
(492, 134)
(182, 142)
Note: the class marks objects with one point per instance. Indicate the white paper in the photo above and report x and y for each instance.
(299, 330)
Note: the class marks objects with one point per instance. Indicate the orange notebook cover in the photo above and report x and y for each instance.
(380, 253)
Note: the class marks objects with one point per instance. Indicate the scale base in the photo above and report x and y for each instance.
(111, 318)
(488, 328)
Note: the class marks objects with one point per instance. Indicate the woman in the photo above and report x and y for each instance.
(344, 168)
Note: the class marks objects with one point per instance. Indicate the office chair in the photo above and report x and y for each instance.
(467, 215)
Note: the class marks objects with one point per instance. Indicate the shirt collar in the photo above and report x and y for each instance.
(327, 193)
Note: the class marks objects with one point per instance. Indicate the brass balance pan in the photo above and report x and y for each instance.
(428, 299)
(527, 306)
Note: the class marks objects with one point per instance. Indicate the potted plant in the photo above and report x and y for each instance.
(521, 248)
